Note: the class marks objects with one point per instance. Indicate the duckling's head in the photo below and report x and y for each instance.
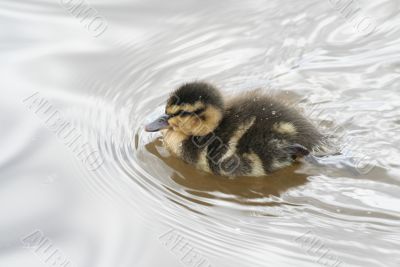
(193, 109)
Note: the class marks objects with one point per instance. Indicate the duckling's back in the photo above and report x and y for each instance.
(273, 119)
(257, 135)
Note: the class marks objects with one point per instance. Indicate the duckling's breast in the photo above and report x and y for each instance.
(173, 141)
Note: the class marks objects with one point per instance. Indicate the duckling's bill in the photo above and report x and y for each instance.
(158, 124)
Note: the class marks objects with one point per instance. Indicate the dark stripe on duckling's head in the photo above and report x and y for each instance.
(185, 113)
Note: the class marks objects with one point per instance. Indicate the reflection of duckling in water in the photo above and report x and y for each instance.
(243, 189)
(250, 135)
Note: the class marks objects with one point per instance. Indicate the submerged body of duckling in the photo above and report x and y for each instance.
(249, 135)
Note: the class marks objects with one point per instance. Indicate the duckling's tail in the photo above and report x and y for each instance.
(297, 150)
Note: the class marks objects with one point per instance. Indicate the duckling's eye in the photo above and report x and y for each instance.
(189, 113)
(186, 113)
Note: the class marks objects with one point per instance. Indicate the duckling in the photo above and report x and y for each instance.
(251, 134)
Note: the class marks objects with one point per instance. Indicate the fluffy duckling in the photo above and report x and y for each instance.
(249, 135)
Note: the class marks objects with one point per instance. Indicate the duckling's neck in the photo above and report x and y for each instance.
(173, 141)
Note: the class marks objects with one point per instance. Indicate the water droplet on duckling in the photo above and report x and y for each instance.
(273, 112)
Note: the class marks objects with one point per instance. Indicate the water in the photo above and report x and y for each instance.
(127, 203)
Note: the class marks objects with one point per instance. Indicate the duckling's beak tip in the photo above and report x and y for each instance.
(158, 124)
